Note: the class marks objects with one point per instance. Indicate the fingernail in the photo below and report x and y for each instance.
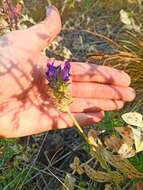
(49, 9)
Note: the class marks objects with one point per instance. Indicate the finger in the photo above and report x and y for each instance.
(86, 72)
(93, 105)
(33, 121)
(40, 35)
(82, 118)
(102, 91)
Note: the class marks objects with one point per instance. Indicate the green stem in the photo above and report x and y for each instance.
(117, 186)
(86, 139)
(77, 125)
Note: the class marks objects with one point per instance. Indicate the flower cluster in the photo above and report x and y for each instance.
(57, 73)
(59, 81)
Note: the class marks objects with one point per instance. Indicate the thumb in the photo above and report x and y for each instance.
(40, 35)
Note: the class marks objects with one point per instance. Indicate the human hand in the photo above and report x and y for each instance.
(26, 109)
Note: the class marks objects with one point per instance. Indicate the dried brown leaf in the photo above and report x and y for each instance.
(122, 164)
(76, 166)
(102, 177)
(69, 182)
(126, 134)
(113, 143)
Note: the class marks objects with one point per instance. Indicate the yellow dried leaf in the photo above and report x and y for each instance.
(124, 17)
(124, 146)
(76, 166)
(122, 164)
(116, 177)
(98, 176)
(126, 134)
(102, 177)
(98, 155)
(126, 151)
(131, 136)
(108, 187)
(113, 143)
(93, 138)
(69, 182)
(138, 138)
(133, 118)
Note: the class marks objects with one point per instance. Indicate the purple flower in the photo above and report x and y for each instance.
(65, 72)
(58, 73)
(58, 78)
(51, 73)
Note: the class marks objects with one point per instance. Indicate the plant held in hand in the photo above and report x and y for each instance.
(59, 82)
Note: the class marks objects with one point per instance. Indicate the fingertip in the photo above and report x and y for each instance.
(94, 117)
(43, 33)
(50, 8)
(100, 116)
(127, 78)
(131, 94)
(53, 15)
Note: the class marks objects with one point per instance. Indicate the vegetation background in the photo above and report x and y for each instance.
(99, 31)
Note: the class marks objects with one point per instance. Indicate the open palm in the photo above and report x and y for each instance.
(25, 107)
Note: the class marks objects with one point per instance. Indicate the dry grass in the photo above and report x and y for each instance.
(130, 59)
(91, 31)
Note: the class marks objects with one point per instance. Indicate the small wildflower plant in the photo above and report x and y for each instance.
(59, 82)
